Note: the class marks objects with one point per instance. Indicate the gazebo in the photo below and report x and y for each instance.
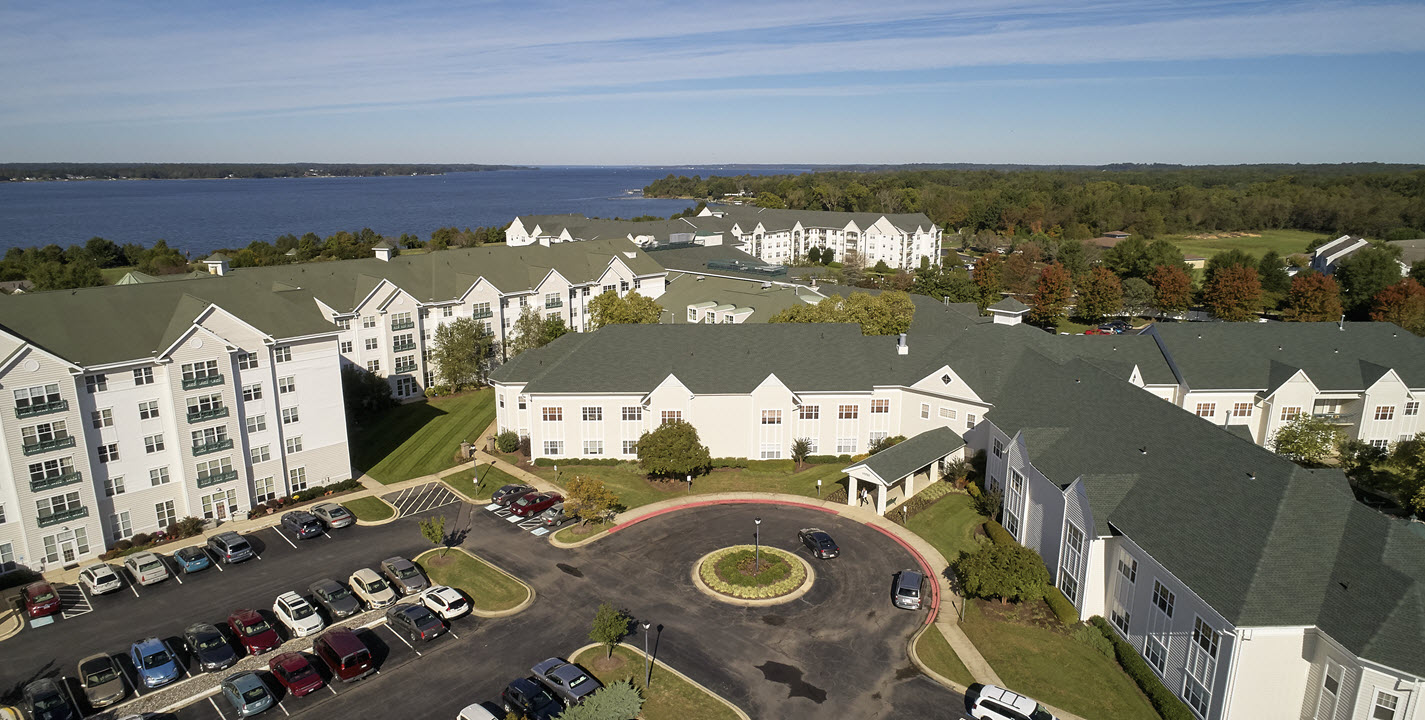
(894, 471)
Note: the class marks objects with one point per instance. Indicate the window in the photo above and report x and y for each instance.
(286, 385)
(633, 414)
(554, 447)
(447, 311)
(166, 514)
(947, 413)
(1070, 561)
(809, 412)
(1013, 502)
(848, 412)
(1385, 412)
(247, 361)
(522, 401)
(406, 342)
(1412, 408)
(369, 321)
(282, 354)
(969, 421)
(370, 343)
(553, 300)
(670, 416)
(294, 444)
(925, 411)
(44, 432)
(1163, 598)
(261, 453)
(880, 407)
(96, 383)
(289, 416)
(119, 525)
(204, 404)
(553, 414)
(623, 286)
(1197, 696)
(405, 363)
(148, 409)
(1128, 569)
(108, 453)
(630, 447)
(692, 315)
(482, 310)
(1156, 653)
(47, 469)
(1204, 637)
(402, 321)
(607, 289)
(845, 445)
(256, 423)
(1380, 444)
(143, 376)
(1242, 409)
(200, 370)
(102, 418)
(345, 348)
(593, 447)
(7, 557)
(114, 486)
(1206, 410)
(264, 489)
(1120, 620)
(153, 443)
(406, 386)
(51, 506)
(999, 448)
(593, 414)
(343, 323)
(252, 392)
(1290, 413)
(1384, 706)
(771, 417)
(158, 476)
(38, 396)
(209, 468)
(373, 367)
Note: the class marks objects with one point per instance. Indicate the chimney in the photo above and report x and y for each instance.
(901, 347)
(1341, 324)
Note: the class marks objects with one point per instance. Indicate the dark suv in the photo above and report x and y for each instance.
(344, 654)
(302, 524)
(527, 698)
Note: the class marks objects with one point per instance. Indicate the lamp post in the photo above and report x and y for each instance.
(647, 659)
(757, 554)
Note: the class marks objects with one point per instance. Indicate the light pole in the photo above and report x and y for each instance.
(757, 554)
(647, 659)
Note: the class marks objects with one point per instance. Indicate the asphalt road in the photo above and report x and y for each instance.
(837, 652)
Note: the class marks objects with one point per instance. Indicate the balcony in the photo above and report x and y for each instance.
(51, 445)
(35, 409)
(552, 304)
(402, 324)
(209, 414)
(217, 478)
(63, 516)
(483, 314)
(212, 447)
(1336, 418)
(404, 346)
(202, 382)
(51, 482)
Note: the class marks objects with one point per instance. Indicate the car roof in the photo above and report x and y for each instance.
(366, 575)
(325, 584)
(396, 561)
(100, 568)
(149, 644)
(245, 615)
(301, 515)
(444, 591)
(545, 666)
(39, 585)
(528, 686)
(1008, 697)
(145, 555)
(244, 680)
(95, 659)
(290, 661)
(228, 536)
(291, 597)
(198, 627)
(343, 640)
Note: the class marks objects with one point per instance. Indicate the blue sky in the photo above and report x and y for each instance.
(528, 82)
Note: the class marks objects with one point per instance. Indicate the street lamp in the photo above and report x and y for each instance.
(647, 659)
(757, 555)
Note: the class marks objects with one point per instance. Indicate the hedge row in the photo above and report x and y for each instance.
(550, 462)
(1065, 610)
(828, 459)
(1164, 701)
(762, 465)
(998, 534)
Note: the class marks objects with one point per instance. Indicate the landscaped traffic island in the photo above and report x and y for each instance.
(742, 575)
(492, 591)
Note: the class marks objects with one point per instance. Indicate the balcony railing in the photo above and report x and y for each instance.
(44, 408)
(402, 324)
(63, 516)
(212, 447)
(551, 304)
(217, 478)
(45, 446)
(404, 346)
(209, 414)
(1334, 417)
(53, 481)
(406, 368)
(483, 314)
(202, 382)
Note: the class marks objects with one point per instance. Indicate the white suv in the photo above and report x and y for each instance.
(297, 614)
(989, 702)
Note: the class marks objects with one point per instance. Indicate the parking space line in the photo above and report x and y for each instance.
(216, 709)
(284, 537)
(177, 576)
(430, 500)
(403, 640)
(451, 630)
(76, 599)
(134, 587)
(284, 710)
(329, 687)
(213, 560)
(329, 537)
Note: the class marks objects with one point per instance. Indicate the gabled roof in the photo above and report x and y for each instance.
(910, 455)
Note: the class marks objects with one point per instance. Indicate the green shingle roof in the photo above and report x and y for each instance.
(910, 455)
(1010, 304)
(684, 289)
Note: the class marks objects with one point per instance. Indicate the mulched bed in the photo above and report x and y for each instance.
(1035, 614)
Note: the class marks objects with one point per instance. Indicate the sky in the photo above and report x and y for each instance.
(736, 81)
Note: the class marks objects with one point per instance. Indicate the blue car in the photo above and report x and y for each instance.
(192, 559)
(154, 662)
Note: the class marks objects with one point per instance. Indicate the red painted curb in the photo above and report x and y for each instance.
(929, 573)
(705, 503)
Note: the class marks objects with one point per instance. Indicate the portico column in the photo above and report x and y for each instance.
(880, 499)
(909, 486)
(935, 471)
(852, 498)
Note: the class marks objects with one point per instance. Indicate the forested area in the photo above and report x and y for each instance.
(194, 171)
(1376, 200)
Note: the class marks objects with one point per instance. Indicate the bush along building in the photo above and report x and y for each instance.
(1253, 587)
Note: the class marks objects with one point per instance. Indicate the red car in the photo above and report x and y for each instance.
(1099, 331)
(295, 673)
(254, 632)
(535, 503)
(41, 599)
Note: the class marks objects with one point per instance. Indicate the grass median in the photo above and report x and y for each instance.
(421, 438)
(488, 588)
(634, 489)
(369, 509)
(669, 697)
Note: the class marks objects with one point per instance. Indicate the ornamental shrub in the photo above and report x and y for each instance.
(1063, 609)
(507, 441)
(141, 539)
(673, 450)
(1012, 573)
(616, 701)
(1090, 635)
(1164, 701)
(998, 534)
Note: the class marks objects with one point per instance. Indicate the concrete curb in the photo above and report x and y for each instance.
(924, 668)
(594, 646)
(803, 589)
(12, 618)
(529, 599)
(395, 514)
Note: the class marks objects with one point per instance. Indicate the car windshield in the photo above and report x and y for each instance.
(45, 596)
(337, 512)
(158, 659)
(190, 553)
(102, 576)
(526, 500)
(1040, 713)
(420, 615)
(238, 548)
(49, 701)
(541, 701)
(298, 673)
(375, 586)
(301, 611)
(254, 694)
(208, 641)
(256, 628)
(340, 593)
(407, 572)
(104, 675)
(908, 592)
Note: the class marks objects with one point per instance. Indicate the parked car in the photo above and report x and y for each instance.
(99, 579)
(49, 699)
(905, 589)
(246, 693)
(191, 559)
(1099, 331)
(230, 547)
(302, 524)
(554, 515)
(990, 702)
(567, 680)
(416, 622)
(475, 711)
(209, 647)
(297, 614)
(40, 599)
(404, 575)
(295, 673)
(1117, 326)
(446, 602)
(154, 662)
(335, 597)
(371, 589)
(333, 515)
(819, 542)
(526, 697)
(510, 493)
(146, 568)
(344, 654)
(535, 503)
(253, 631)
(102, 680)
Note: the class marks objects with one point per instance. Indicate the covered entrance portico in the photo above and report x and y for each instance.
(895, 474)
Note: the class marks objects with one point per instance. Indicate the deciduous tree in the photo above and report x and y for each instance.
(1403, 304)
(1234, 294)
(1307, 440)
(1137, 296)
(1172, 289)
(1271, 270)
(609, 627)
(1100, 295)
(946, 283)
(1011, 573)
(1362, 276)
(589, 499)
(631, 309)
(989, 279)
(433, 529)
(672, 450)
(534, 331)
(889, 313)
(1313, 298)
(462, 352)
(1051, 298)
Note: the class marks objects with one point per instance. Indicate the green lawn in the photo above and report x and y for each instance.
(370, 509)
(574, 533)
(489, 589)
(949, 525)
(1285, 242)
(420, 438)
(937, 653)
(669, 697)
(479, 482)
(634, 490)
(1052, 667)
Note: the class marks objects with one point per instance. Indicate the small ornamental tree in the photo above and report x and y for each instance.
(1306, 440)
(433, 529)
(609, 627)
(1012, 573)
(1051, 298)
(1313, 298)
(1172, 289)
(507, 441)
(672, 450)
(462, 353)
(801, 448)
(1234, 294)
(1403, 304)
(1100, 295)
(588, 499)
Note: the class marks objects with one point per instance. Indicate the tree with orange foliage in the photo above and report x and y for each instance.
(1172, 289)
(1051, 299)
(989, 279)
(1313, 298)
(1403, 304)
(1234, 294)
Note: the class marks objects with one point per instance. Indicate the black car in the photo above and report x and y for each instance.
(819, 543)
(210, 648)
(302, 524)
(416, 622)
(510, 493)
(335, 597)
(527, 697)
(49, 699)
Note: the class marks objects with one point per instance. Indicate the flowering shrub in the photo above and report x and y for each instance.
(793, 580)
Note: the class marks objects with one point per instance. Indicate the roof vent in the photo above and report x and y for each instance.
(1199, 336)
(901, 347)
(1251, 476)
(1143, 450)
(1279, 347)
(1341, 324)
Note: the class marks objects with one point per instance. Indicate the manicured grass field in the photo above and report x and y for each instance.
(421, 438)
(1051, 666)
(949, 525)
(479, 482)
(489, 589)
(937, 653)
(634, 490)
(669, 697)
(1285, 242)
(369, 509)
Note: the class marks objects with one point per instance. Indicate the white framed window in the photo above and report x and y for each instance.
(286, 385)
(1070, 561)
(1013, 499)
(247, 361)
(261, 453)
(1242, 409)
(845, 446)
(969, 421)
(51, 506)
(1380, 444)
(947, 413)
(37, 396)
(66, 545)
(143, 376)
(204, 403)
(554, 447)
(368, 321)
(593, 447)
(96, 383)
(552, 414)
(880, 406)
(1206, 409)
(809, 412)
(370, 343)
(252, 392)
(343, 323)
(282, 354)
(406, 386)
(46, 469)
(848, 412)
(925, 411)
(290, 415)
(1385, 412)
(7, 557)
(1384, 706)
(256, 423)
(153, 443)
(1290, 413)
(999, 448)
(1412, 408)
(593, 414)
(294, 444)
(345, 347)
(1156, 653)
(1330, 694)
(166, 513)
(373, 367)
(114, 486)
(108, 452)
(158, 476)
(210, 436)
(771, 417)
(209, 468)
(670, 416)
(264, 489)
(632, 414)
(200, 370)
(1128, 569)
(1163, 599)
(102, 418)
(630, 447)
(119, 526)
(148, 409)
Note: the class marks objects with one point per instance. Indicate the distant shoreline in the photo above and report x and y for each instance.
(89, 172)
